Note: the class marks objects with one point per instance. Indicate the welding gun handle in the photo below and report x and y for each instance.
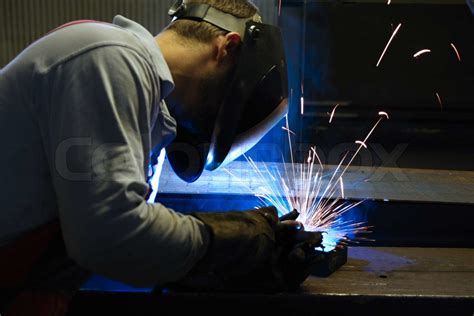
(292, 216)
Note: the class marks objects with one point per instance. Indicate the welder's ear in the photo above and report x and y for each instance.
(233, 41)
(228, 46)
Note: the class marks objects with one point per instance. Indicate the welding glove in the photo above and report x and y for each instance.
(296, 254)
(253, 250)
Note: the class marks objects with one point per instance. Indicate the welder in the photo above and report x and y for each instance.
(87, 109)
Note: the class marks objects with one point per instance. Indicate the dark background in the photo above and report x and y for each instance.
(333, 48)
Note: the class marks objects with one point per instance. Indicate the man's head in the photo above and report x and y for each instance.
(206, 32)
(231, 82)
(201, 57)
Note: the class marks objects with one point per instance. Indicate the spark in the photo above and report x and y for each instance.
(290, 142)
(306, 188)
(302, 98)
(456, 51)
(279, 7)
(421, 52)
(332, 113)
(342, 188)
(288, 130)
(388, 44)
(364, 141)
(361, 143)
(389, 1)
(439, 100)
(315, 153)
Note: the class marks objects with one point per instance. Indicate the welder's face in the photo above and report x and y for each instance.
(197, 107)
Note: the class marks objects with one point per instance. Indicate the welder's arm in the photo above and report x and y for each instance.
(97, 142)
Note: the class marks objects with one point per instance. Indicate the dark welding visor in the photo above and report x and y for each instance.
(256, 100)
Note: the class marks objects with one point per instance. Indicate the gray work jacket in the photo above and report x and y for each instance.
(80, 111)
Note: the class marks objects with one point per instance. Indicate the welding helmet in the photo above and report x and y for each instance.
(255, 101)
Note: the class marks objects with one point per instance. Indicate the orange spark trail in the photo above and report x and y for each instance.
(388, 44)
(439, 100)
(364, 141)
(332, 113)
(359, 142)
(456, 51)
(421, 52)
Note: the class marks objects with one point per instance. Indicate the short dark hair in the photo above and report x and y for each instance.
(206, 32)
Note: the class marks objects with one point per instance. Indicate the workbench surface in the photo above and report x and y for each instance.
(401, 272)
(378, 281)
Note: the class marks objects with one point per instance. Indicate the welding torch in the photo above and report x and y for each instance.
(292, 216)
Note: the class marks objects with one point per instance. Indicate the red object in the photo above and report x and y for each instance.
(73, 23)
(30, 303)
(23, 253)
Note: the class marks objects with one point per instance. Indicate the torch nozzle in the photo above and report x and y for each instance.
(292, 216)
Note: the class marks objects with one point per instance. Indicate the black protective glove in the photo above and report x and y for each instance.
(297, 252)
(253, 250)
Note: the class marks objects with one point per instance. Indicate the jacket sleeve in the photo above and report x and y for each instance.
(96, 134)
